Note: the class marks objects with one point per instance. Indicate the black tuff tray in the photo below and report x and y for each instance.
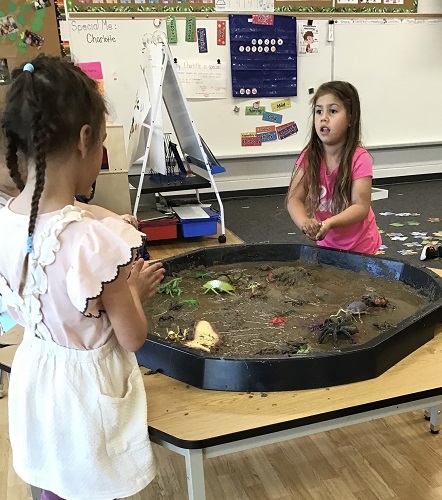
(306, 371)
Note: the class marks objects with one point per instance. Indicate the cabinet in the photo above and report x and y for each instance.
(112, 186)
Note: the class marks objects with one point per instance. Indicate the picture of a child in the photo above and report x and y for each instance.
(309, 39)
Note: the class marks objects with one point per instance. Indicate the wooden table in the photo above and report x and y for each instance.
(164, 249)
(13, 336)
(201, 424)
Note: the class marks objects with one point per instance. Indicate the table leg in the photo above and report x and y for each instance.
(195, 474)
(35, 492)
(434, 414)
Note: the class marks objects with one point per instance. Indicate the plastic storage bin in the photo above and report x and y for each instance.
(162, 229)
(200, 227)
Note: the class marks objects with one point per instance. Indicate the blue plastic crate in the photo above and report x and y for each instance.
(200, 227)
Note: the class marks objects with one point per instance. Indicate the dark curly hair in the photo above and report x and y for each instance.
(44, 111)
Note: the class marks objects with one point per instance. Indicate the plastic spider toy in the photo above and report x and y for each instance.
(333, 327)
(356, 308)
(375, 300)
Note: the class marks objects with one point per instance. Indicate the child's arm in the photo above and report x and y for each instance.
(356, 212)
(98, 212)
(296, 205)
(101, 213)
(123, 298)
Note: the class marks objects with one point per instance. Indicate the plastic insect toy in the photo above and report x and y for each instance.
(375, 300)
(189, 302)
(171, 287)
(179, 335)
(217, 286)
(354, 308)
(279, 321)
(313, 327)
(305, 350)
(201, 275)
(334, 327)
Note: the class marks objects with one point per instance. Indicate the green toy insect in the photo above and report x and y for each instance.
(189, 302)
(216, 286)
(171, 287)
(202, 275)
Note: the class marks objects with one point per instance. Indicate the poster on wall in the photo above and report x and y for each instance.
(263, 55)
(308, 39)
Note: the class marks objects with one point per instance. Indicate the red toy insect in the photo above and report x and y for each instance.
(375, 301)
(279, 321)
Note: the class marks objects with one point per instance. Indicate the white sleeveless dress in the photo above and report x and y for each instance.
(77, 418)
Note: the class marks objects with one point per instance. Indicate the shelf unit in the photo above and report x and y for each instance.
(192, 148)
(193, 181)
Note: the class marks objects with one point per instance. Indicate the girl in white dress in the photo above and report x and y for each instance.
(77, 404)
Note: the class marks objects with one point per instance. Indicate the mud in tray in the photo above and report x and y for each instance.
(315, 285)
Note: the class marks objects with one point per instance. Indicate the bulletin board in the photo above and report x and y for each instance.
(378, 7)
(26, 29)
(361, 6)
(304, 6)
(391, 62)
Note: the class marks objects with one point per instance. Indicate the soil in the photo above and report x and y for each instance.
(277, 308)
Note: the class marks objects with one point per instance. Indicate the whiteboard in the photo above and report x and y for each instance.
(397, 69)
(395, 65)
(117, 43)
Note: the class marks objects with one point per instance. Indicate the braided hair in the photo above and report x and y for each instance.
(48, 101)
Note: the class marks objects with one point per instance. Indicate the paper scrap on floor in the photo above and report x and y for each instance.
(191, 212)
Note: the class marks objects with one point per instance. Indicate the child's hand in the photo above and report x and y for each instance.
(130, 219)
(323, 230)
(310, 228)
(145, 278)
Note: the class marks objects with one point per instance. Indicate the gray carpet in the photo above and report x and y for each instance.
(264, 219)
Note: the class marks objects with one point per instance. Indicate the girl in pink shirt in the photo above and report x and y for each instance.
(77, 403)
(329, 196)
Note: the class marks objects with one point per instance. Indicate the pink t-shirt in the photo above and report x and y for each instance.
(362, 236)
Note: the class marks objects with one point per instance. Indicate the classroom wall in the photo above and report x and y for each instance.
(429, 7)
(389, 61)
(261, 173)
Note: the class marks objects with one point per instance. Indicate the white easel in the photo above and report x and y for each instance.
(194, 150)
